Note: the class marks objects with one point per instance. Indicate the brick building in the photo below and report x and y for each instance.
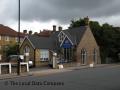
(71, 45)
(8, 37)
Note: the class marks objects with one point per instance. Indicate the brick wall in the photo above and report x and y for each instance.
(39, 63)
(87, 42)
(31, 53)
(3, 44)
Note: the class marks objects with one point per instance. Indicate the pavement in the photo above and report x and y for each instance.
(49, 71)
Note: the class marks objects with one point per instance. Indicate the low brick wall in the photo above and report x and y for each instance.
(41, 64)
(70, 64)
(5, 69)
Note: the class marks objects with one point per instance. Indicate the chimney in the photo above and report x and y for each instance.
(25, 31)
(86, 21)
(54, 28)
(60, 28)
(30, 32)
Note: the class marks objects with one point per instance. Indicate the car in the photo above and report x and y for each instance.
(14, 58)
(30, 62)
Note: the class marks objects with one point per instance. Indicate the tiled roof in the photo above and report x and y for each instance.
(40, 42)
(75, 34)
(6, 31)
(52, 43)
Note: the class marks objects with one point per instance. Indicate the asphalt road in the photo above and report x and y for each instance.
(102, 78)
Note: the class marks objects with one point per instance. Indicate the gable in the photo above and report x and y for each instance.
(25, 42)
(88, 40)
(61, 32)
(66, 43)
(61, 36)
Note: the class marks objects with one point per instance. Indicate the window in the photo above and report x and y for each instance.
(16, 39)
(95, 56)
(7, 38)
(21, 39)
(61, 37)
(0, 57)
(0, 37)
(44, 55)
(83, 56)
(26, 49)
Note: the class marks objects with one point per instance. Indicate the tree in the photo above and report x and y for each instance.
(107, 37)
(77, 23)
(11, 50)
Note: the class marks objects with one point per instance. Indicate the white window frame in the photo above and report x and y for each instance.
(0, 37)
(27, 49)
(0, 57)
(44, 55)
(7, 38)
(83, 56)
(95, 56)
(16, 39)
(61, 37)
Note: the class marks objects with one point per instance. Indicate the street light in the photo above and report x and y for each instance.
(18, 51)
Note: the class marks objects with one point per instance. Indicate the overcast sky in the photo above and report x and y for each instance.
(42, 14)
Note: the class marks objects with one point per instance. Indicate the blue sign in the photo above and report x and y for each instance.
(66, 43)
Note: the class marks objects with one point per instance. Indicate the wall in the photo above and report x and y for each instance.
(39, 63)
(34, 54)
(31, 53)
(4, 43)
(88, 42)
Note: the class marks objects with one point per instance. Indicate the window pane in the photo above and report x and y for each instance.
(44, 55)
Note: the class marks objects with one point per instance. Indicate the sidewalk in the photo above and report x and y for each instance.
(67, 69)
(49, 71)
(10, 76)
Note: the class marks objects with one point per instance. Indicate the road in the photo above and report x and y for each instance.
(101, 78)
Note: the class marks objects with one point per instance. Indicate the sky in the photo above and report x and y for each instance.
(37, 15)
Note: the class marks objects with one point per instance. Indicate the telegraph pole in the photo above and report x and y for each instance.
(18, 45)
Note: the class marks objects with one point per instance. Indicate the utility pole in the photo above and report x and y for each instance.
(18, 45)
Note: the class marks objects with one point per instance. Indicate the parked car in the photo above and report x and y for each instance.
(13, 59)
(30, 62)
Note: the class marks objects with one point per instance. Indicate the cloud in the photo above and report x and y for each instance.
(60, 10)
(8, 10)
(65, 10)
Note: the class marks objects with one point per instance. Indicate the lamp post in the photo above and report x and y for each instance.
(18, 53)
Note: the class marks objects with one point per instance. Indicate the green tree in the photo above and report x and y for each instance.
(11, 50)
(77, 23)
(107, 37)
